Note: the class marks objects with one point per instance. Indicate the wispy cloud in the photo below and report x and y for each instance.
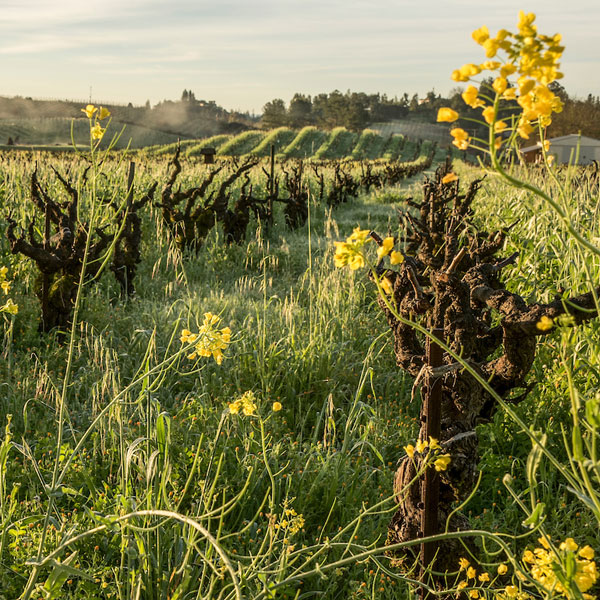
(268, 47)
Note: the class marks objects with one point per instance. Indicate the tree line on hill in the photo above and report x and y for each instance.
(355, 111)
(189, 117)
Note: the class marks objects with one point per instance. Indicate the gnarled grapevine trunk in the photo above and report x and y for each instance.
(451, 281)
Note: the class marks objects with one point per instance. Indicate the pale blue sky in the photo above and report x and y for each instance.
(243, 53)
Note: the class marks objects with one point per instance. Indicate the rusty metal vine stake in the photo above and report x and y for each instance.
(432, 417)
(451, 283)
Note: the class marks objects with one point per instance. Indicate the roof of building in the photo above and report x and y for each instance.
(573, 139)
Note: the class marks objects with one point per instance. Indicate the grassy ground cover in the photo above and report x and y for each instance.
(393, 147)
(241, 144)
(370, 145)
(280, 138)
(339, 144)
(141, 432)
(216, 141)
(305, 144)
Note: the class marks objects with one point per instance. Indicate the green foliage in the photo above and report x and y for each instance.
(370, 145)
(241, 144)
(216, 141)
(339, 144)
(141, 434)
(279, 138)
(305, 144)
(393, 147)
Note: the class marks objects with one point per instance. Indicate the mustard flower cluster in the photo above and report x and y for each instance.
(484, 580)
(9, 306)
(548, 567)
(555, 570)
(291, 521)
(209, 340)
(246, 403)
(350, 253)
(95, 115)
(432, 450)
(522, 64)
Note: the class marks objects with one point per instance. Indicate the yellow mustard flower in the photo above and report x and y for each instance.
(359, 235)
(470, 97)
(396, 258)
(500, 84)
(89, 110)
(587, 552)
(97, 132)
(449, 178)
(277, 406)
(421, 446)
(473, 594)
(386, 247)
(386, 284)
(458, 76)
(471, 573)
(434, 444)
(481, 35)
(507, 69)
(103, 113)
(447, 114)
(461, 138)
(545, 324)
(502, 569)
(209, 341)
(511, 591)
(245, 403)
(349, 253)
(490, 65)
(462, 585)
(484, 577)
(569, 544)
(463, 563)
(441, 462)
(489, 114)
(10, 307)
(410, 450)
(470, 70)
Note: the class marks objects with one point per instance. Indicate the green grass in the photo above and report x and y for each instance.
(280, 138)
(216, 141)
(370, 145)
(241, 144)
(305, 144)
(339, 144)
(304, 334)
(393, 147)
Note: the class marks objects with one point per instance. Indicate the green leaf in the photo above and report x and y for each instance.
(536, 517)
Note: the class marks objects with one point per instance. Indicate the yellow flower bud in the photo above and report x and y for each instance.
(447, 114)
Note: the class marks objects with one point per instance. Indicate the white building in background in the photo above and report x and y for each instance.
(564, 150)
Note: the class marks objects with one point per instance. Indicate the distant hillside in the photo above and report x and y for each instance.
(56, 131)
(185, 119)
(309, 143)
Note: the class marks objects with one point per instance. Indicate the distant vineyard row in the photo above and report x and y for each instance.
(309, 142)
